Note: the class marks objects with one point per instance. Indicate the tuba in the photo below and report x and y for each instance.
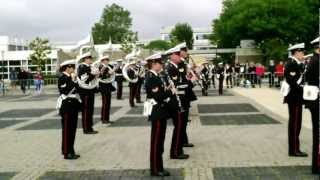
(110, 76)
(130, 72)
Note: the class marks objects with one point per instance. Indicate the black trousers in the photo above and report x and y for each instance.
(220, 86)
(271, 79)
(315, 136)
(176, 143)
(229, 81)
(158, 134)
(213, 81)
(133, 92)
(185, 115)
(119, 89)
(294, 128)
(205, 88)
(69, 121)
(87, 111)
(106, 104)
(138, 93)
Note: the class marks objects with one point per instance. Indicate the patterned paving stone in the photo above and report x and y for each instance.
(48, 124)
(214, 93)
(264, 173)
(134, 121)
(176, 174)
(20, 113)
(136, 110)
(97, 111)
(7, 175)
(7, 123)
(237, 120)
(225, 108)
(56, 122)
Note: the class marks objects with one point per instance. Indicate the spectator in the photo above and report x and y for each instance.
(23, 76)
(38, 81)
(30, 79)
(271, 70)
(260, 70)
(280, 72)
(13, 76)
(229, 73)
(252, 74)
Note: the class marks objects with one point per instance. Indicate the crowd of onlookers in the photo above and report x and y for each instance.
(251, 74)
(25, 79)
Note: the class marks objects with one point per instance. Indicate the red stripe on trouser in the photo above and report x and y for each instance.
(65, 135)
(107, 108)
(178, 134)
(155, 147)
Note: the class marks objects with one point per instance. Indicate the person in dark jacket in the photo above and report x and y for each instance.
(271, 69)
(87, 89)
(294, 77)
(312, 79)
(119, 78)
(157, 93)
(69, 107)
(105, 88)
(220, 77)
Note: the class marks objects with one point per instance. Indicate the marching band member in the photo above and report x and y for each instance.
(213, 71)
(294, 77)
(220, 77)
(141, 74)
(312, 79)
(205, 79)
(119, 78)
(159, 95)
(172, 69)
(105, 88)
(189, 95)
(87, 94)
(69, 107)
(133, 85)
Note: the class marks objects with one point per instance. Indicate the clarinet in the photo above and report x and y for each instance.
(170, 81)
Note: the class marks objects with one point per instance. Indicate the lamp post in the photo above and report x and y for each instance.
(2, 67)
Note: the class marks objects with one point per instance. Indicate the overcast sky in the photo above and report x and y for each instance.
(71, 20)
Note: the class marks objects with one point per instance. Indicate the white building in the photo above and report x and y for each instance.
(200, 36)
(14, 54)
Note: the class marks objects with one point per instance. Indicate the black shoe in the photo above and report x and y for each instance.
(90, 132)
(299, 154)
(161, 174)
(315, 171)
(181, 156)
(188, 145)
(71, 156)
(107, 122)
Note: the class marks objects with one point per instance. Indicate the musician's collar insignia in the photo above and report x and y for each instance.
(153, 72)
(63, 85)
(174, 64)
(156, 89)
(65, 73)
(292, 73)
(85, 64)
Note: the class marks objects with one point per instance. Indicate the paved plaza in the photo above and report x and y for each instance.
(240, 135)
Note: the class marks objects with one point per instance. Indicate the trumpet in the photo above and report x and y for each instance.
(173, 88)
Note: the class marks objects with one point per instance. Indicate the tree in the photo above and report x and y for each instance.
(158, 45)
(41, 49)
(273, 24)
(182, 32)
(128, 42)
(115, 23)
